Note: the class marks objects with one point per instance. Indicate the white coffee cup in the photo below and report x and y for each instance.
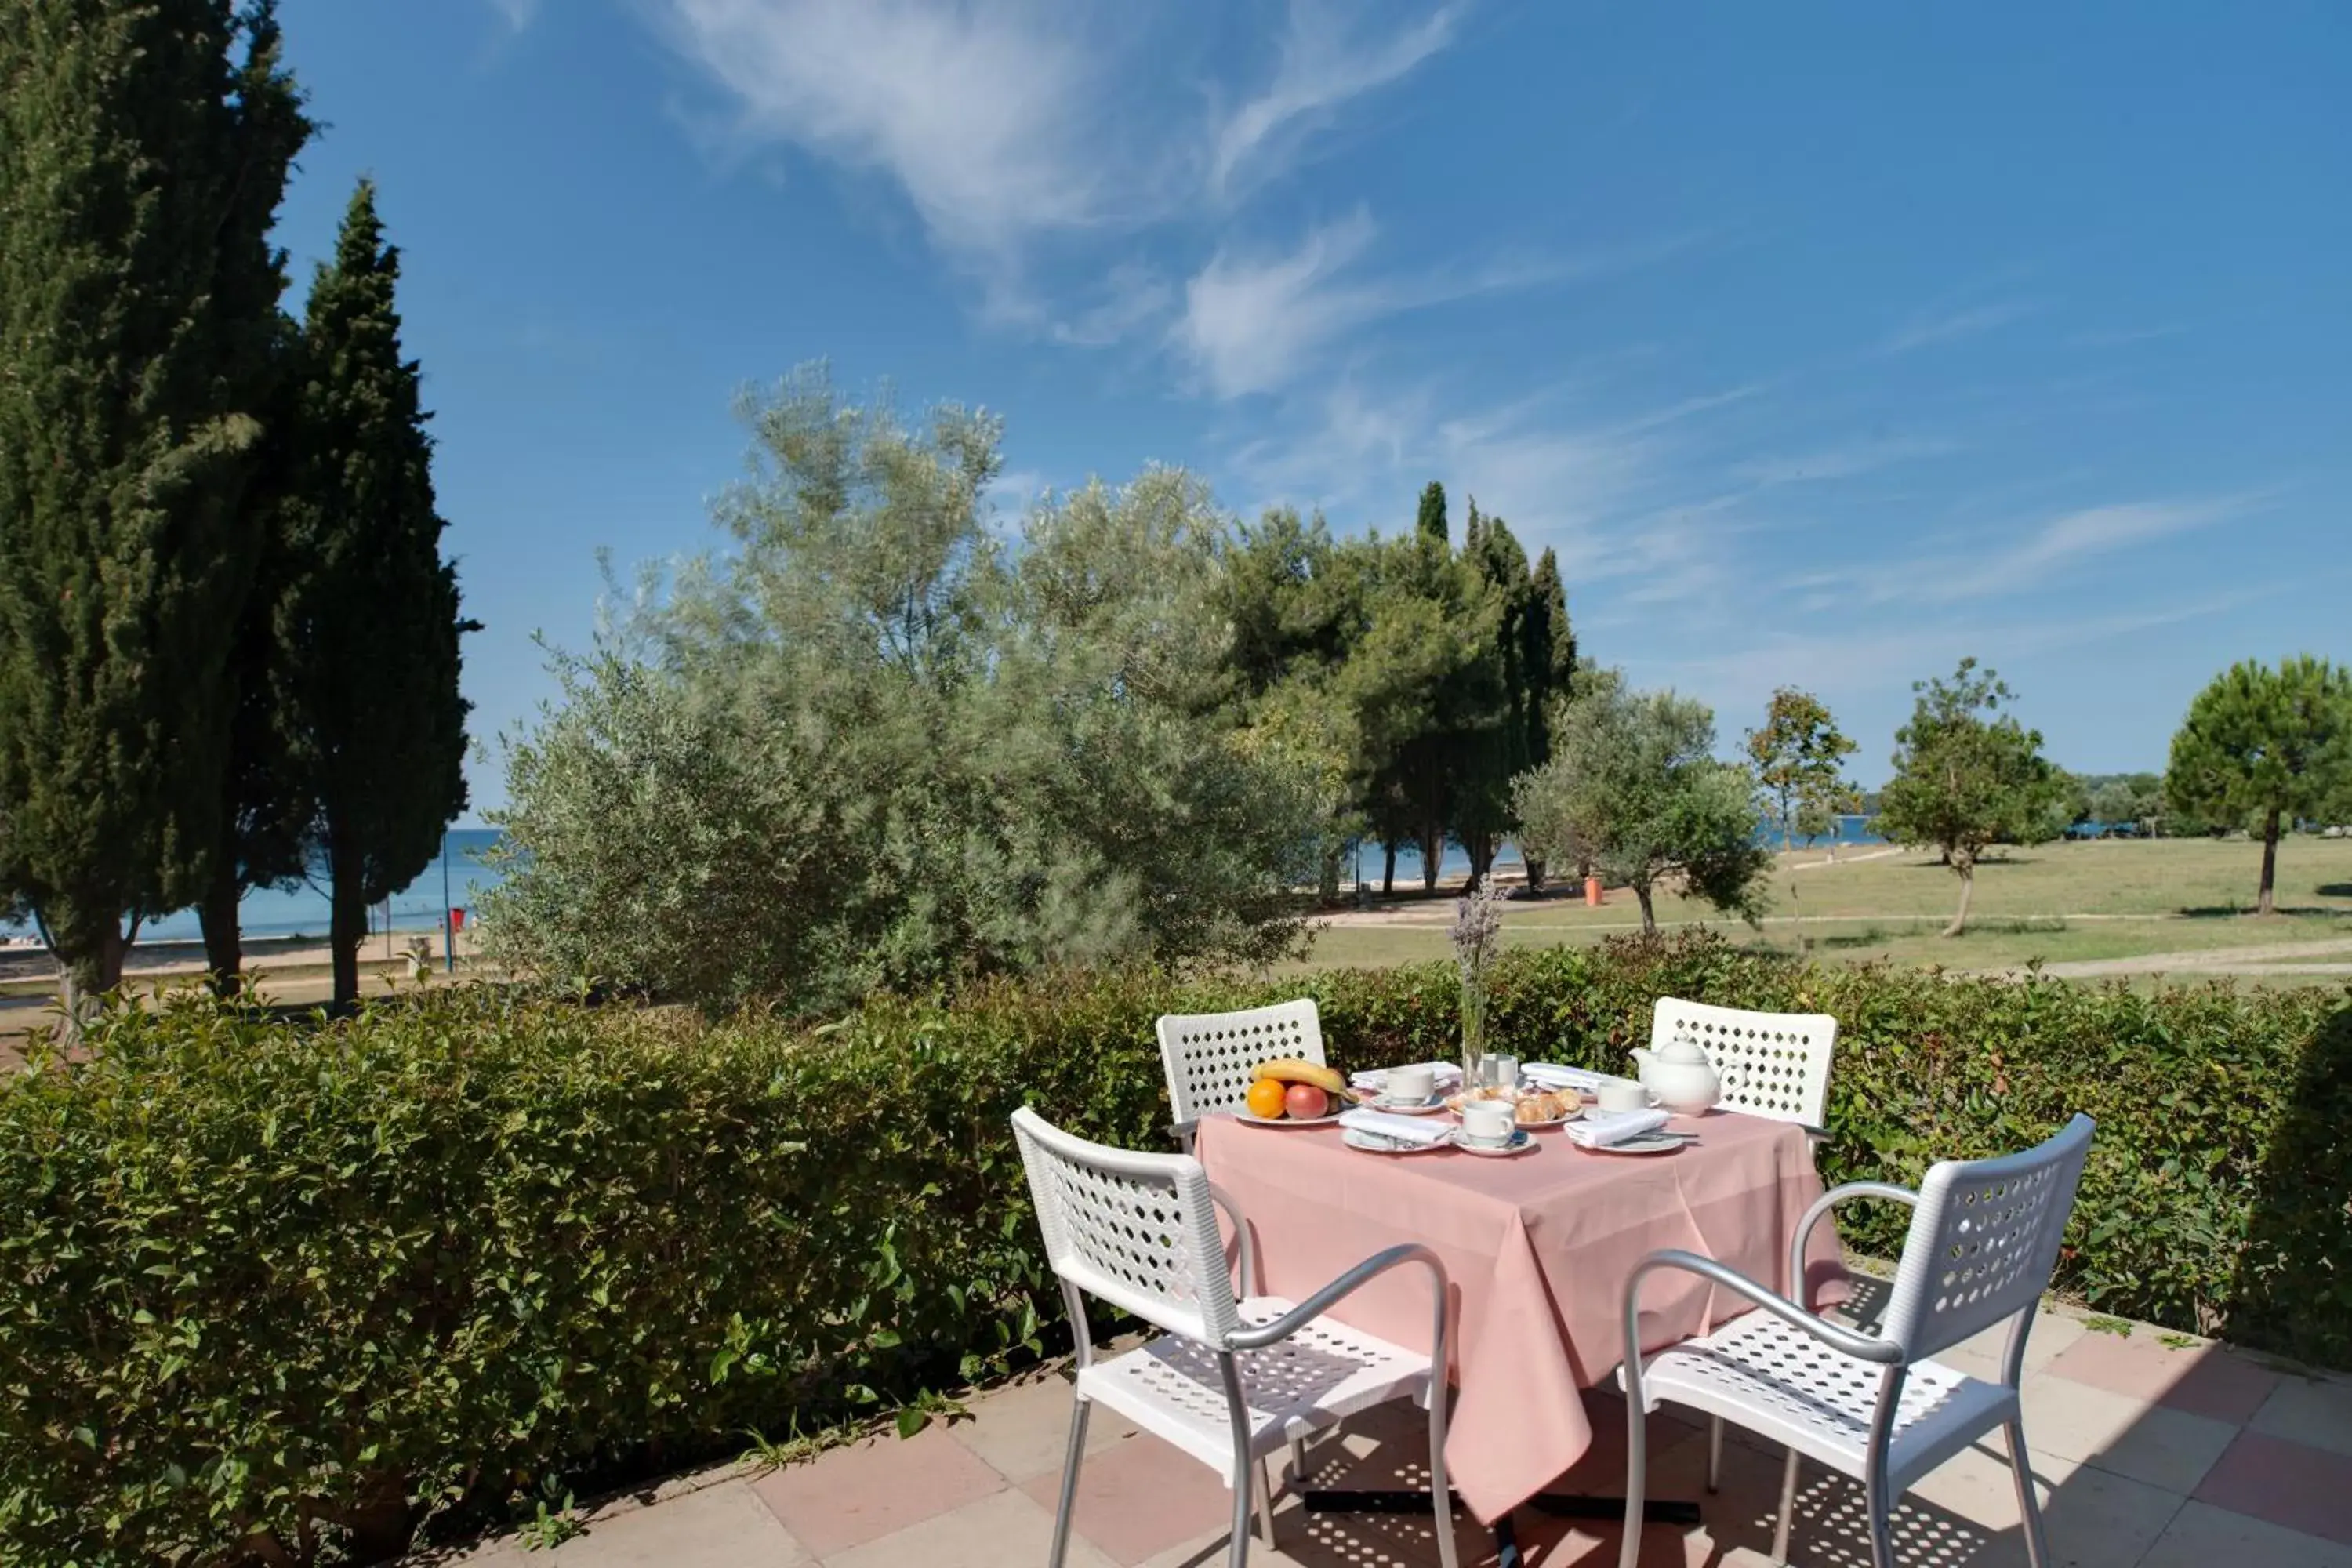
(1622, 1094)
(1409, 1085)
(1489, 1122)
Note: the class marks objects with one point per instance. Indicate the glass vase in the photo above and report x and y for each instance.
(1474, 1034)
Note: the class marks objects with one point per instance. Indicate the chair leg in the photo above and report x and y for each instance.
(1441, 1490)
(1715, 1453)
(1781, 1526)
(1265, 1501)
(1637, 1469)
(2037, 1546)
(1882, 1529)
(1298, 1461)
(1068, 1505)
(1237, 1553)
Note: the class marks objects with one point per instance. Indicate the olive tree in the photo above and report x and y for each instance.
(1634, 787)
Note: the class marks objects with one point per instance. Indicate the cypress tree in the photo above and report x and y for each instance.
(373, 602)
(1431, 522)
(140, 159)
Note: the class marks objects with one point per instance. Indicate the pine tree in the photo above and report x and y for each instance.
(141, 161)
(372, 600)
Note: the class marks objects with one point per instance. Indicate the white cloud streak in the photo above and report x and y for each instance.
(1950, 326)
(1843, 462)
(517, 14)
(1323, 66)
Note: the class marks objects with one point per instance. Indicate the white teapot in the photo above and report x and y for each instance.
(1681, 1076)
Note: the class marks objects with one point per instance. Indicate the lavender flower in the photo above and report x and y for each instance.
(1477, 931)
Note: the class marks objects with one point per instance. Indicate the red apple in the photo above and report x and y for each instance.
(1305, 1101)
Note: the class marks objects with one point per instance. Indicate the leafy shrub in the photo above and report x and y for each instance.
(307, 1285)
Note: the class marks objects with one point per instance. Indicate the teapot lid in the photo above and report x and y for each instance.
(1683, 1048)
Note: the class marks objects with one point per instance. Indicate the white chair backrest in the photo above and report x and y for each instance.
(1983, 1241)
(1209, 1056)
(1774, 1064)
(1135, 1230)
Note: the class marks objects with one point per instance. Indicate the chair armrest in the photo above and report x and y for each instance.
(1862, 1347)
(1823, 1204)
(1183, 1132)
(1224, 1200)
(1315, 1306)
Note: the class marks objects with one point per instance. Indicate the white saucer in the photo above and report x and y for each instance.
(1256, 1120)
(1354, 1139)
(1434, 1103)
(1522, 1143)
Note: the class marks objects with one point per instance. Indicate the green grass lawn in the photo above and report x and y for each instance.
(2057, 902)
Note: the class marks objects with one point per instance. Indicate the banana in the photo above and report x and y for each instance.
(1290, 1070)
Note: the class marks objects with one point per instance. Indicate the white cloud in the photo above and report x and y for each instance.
(517, 13)
(1133, 295)
(2096, 530)
(1944, 327)
(1843, 462)
(987, 115)
(1323, 66)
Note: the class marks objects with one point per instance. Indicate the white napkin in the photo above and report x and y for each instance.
(1447, 1073)
(1600, 1129)
(1418, 1129)
(1551, 1075)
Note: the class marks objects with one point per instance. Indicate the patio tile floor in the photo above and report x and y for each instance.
(2145, 1454)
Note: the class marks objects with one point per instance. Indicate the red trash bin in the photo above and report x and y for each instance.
(456, 920)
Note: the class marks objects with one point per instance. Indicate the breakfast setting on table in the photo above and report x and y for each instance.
(1489, 1239)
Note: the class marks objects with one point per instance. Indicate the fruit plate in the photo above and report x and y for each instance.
(1256, 1120)
(1372, 1144)
(1522, 1143)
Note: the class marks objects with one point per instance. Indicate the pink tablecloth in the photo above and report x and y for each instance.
(1537, 1248)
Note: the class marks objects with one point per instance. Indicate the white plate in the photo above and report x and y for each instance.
(1255, 1120)
(1371, 1144)
(1647, 1143)
(1522, 1143)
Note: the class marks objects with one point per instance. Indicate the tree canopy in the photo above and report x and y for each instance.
(1967, 777)
(2262, 746)
(1634, 787)
(1799, 756)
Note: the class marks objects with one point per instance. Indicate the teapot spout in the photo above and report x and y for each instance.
(1642, 1057)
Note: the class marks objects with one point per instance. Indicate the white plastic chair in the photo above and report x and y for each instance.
(1772, 1064)
(1984, 1238)
(1211, 1058)
(1233, 1378)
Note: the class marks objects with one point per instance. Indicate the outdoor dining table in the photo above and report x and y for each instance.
(1537, 1248)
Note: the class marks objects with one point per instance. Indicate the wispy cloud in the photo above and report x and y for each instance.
(517, 14)
(2121, 338)
(1131, 297)
(1949, 326)
(1325, 62)
(1843, 462)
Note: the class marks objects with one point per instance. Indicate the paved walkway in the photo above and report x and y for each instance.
(2150, 1452)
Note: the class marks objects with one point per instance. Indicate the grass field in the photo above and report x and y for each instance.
(2060, 903)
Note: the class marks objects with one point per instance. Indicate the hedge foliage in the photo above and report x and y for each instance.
(285, 1291)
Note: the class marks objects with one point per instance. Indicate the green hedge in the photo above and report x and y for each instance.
(301, 1285)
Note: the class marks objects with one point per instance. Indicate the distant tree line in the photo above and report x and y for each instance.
(228, 639)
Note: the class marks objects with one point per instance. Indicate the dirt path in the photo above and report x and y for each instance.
(2332, 956)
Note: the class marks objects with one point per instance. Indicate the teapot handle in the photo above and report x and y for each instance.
(1730, 1078)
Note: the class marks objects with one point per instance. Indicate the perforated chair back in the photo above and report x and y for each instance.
(1209, 1056)
(1774, 1064)
(1135, 1230)
(1983, 1241)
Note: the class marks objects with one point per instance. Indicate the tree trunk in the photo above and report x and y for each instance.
(1433, 850)
(346, 922)
(1649, 916)
(224, 943)
(90, 964)
(1388, 868)
(1327, 889)
(2262, 903)
(1965, 865)
(1534, 871)
(1482, 858)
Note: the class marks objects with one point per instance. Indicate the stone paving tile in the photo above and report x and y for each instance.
(2094, 1519)
(2171, 1449)
(2313, 1410)
(1139, 1497)
(1006, 1530)
(1023, 1430)
(2293, 1484)
(724, 1526)
(1979, 1356)
(847, 1496)
(2202, 1378)
(2203, 1536)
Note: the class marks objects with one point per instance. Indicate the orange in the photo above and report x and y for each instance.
(1264, 1098)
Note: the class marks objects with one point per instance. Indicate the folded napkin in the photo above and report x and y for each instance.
(1420, 1130)
(1549, 1075)
(1600, 1129)
(1446, 1073)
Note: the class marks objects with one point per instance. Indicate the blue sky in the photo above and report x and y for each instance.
(1825, 343)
